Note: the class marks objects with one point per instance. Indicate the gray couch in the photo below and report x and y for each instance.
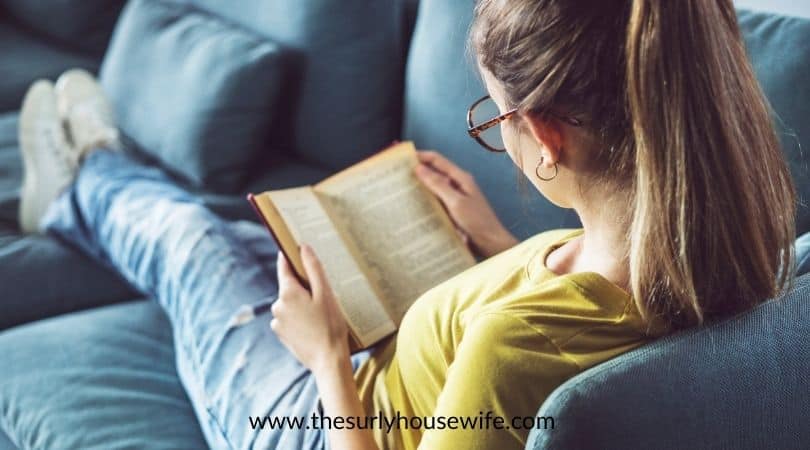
(103, 376)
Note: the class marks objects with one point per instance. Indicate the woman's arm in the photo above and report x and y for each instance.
(340, 399)
(312, 327)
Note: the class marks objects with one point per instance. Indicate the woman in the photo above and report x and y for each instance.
(643, 116)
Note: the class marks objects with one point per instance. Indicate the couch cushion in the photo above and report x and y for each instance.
(25, 58)
(98, 379)
(346, 103)
(198, 94)
(779, 47)
(83, 25)
(10, 170)
(42, 277)
(741, 384)
(441, 83)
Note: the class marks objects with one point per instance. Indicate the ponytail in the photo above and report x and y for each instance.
(714, 203)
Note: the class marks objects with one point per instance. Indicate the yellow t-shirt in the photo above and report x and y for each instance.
(499, 337)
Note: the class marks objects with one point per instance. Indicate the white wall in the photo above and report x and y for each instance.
(788, 7)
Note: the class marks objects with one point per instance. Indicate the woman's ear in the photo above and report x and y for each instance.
(549, 135)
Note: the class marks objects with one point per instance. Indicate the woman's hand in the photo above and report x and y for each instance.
(467, 206)
(311, 325)
(313, 328)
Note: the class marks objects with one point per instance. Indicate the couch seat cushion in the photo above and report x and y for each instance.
(98, 379)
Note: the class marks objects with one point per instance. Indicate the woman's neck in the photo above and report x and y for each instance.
(602, 248)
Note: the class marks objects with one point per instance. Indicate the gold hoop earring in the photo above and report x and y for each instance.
(537, 170)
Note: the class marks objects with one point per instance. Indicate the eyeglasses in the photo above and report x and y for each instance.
(484, 118)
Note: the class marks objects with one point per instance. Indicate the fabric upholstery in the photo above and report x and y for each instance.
(779, 47)
(26, 58)
(82, 25)
(346, 101)
(737, 385)
(98, 379)
(10, 170)
(196, 93)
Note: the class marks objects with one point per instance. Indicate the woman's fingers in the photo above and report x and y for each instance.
(444, 165)
(440, 184)
(286, 279)
(315, 272)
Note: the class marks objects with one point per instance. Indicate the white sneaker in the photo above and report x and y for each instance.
(49, 162)
(86, 111)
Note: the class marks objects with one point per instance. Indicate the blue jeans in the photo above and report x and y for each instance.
(215, 280)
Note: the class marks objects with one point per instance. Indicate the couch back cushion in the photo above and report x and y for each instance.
(79, 24)
(346, 103)
(779, 47)
(441, 83)
(196, 93)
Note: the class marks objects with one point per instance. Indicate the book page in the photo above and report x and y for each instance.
(400, 229)
(309, 223)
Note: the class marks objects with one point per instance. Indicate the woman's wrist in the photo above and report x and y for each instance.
(333, 361)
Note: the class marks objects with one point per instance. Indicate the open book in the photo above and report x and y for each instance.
(381, 236)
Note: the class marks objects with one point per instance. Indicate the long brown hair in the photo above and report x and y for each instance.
(667, 90)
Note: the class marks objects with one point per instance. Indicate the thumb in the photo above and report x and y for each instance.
(438, 183)
(315, 272)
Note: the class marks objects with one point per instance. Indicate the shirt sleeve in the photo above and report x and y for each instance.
(502, 372)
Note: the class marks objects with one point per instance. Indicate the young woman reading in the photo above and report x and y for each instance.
(643, 116)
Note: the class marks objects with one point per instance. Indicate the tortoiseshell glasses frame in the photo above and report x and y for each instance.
(475, 130)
